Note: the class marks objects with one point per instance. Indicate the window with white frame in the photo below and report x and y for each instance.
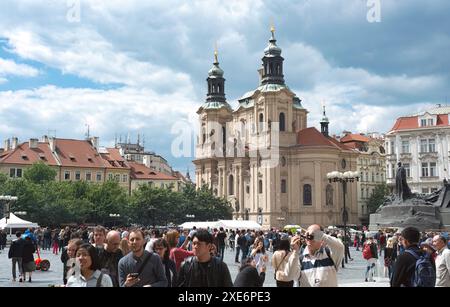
(67, 175)
(430, 122)
(110, 177)
(433, 172)
(405, 146)
(423, 145)
(88, 176)
(431, 145)
(392, 147)
(77, 175)
(425, 190)
(99, 176)
(15, 172)
(425, 169)
(407, 169)
(124, 178)
(423, 123)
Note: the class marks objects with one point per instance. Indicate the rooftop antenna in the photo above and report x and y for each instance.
(88, 133)
(115, 140)
(143, 141)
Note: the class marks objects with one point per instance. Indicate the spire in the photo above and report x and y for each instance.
(216, 82)
(324, 122)
(272, 62)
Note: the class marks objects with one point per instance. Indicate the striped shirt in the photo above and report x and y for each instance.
(317, 270)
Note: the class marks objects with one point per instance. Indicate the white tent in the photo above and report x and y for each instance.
(16, 222)
(238, 224)
(198, 225)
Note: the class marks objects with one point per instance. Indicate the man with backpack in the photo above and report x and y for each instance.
(413, 268)
(370, 253)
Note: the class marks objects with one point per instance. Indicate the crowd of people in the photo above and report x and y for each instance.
(138, 257)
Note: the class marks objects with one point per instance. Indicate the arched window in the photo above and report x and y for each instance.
(203, 136)
(307, 195)
(231, 185)
(218, 88)
(260, 186)
(246, 217)
(261, 122)
(282, 122)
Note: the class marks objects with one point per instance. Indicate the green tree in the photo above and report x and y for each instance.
(377, 197)
(39, 173)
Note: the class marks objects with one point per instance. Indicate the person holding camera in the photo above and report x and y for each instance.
(317, 266)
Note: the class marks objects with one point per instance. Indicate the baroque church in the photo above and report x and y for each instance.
(264, 159)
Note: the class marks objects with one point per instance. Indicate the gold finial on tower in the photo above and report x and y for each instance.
(215, 53)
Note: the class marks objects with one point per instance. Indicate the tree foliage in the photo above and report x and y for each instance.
(49, 202)
(377, 197)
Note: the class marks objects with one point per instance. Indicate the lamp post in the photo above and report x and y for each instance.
(348, 176)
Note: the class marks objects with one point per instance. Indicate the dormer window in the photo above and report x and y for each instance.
(72, 158)
(42, 157)
(24, 156)
(430, 122)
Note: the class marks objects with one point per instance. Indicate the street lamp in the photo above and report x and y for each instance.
(20, 213)
(348, 176)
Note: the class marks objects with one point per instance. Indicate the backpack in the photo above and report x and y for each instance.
(424, 274)
(367, 253)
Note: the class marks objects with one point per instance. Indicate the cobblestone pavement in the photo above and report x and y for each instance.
(351, 276)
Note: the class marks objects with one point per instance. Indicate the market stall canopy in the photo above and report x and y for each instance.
(198, 225)
(238, 224)
(16, 222)
(226, 224)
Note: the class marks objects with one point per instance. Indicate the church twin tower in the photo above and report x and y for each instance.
(261, 156)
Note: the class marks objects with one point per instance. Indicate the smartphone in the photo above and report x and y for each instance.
(134, 275)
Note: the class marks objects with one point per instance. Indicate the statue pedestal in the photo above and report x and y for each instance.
(408, 213)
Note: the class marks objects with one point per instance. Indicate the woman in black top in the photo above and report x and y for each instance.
(248, 274)
(28, 263)
(161, 247)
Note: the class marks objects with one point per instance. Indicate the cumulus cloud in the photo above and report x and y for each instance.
(11, 68)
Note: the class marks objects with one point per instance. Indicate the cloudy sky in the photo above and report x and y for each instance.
(140, 66)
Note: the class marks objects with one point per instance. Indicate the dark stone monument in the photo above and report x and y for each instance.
(403, 208)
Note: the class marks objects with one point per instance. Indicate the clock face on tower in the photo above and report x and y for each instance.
(343, 163)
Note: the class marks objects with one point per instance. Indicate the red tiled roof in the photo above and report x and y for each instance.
(140, 171)
(355, 138)
(113, 159)
(23, 154)
(312, 137)
(78, 153)
(404, 123)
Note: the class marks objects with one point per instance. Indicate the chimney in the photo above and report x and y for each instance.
(45, 139)
(15, 142)
(94, 142)
(7, 145)
(52, 144)
(34, 143)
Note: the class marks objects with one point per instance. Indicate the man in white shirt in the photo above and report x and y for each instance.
(319, 263)
(442, 261)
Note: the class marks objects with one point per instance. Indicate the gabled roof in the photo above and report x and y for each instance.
(112, 159)
(23, 154)
(78, 153)
(142, 172)
(313, 137)
(412, 122)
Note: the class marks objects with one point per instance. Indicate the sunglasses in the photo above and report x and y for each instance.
(309, 237)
